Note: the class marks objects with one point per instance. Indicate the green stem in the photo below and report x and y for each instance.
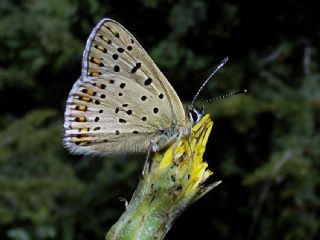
(149, 215)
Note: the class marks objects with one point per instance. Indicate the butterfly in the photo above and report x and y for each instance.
(122, 102)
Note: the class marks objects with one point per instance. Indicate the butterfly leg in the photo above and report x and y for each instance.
(147, 164)
(185, 133)
(189, 129)
(181, 135)
(126, 203)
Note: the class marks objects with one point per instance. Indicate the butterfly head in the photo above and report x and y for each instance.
(195, 114)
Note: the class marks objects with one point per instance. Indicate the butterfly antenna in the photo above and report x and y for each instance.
(206, 81)
(226, 95)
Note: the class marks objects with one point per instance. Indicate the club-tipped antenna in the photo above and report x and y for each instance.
(210, 76)
(226, 95)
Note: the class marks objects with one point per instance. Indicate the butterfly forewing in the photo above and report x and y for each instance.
(122, 101)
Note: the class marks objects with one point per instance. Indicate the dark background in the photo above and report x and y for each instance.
(265, 145)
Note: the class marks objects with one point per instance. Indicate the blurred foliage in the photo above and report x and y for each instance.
(265, 146)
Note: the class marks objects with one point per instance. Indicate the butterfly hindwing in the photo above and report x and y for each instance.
(122, 101)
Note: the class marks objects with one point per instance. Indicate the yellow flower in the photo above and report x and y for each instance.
(182, 162)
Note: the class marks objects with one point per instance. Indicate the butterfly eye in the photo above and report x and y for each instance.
(195, 115)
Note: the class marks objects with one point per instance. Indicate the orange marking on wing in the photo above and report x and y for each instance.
(94, 74)
(84, 130)
(82, 108)
(95, 60)
(80, 119)
(84, 98)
